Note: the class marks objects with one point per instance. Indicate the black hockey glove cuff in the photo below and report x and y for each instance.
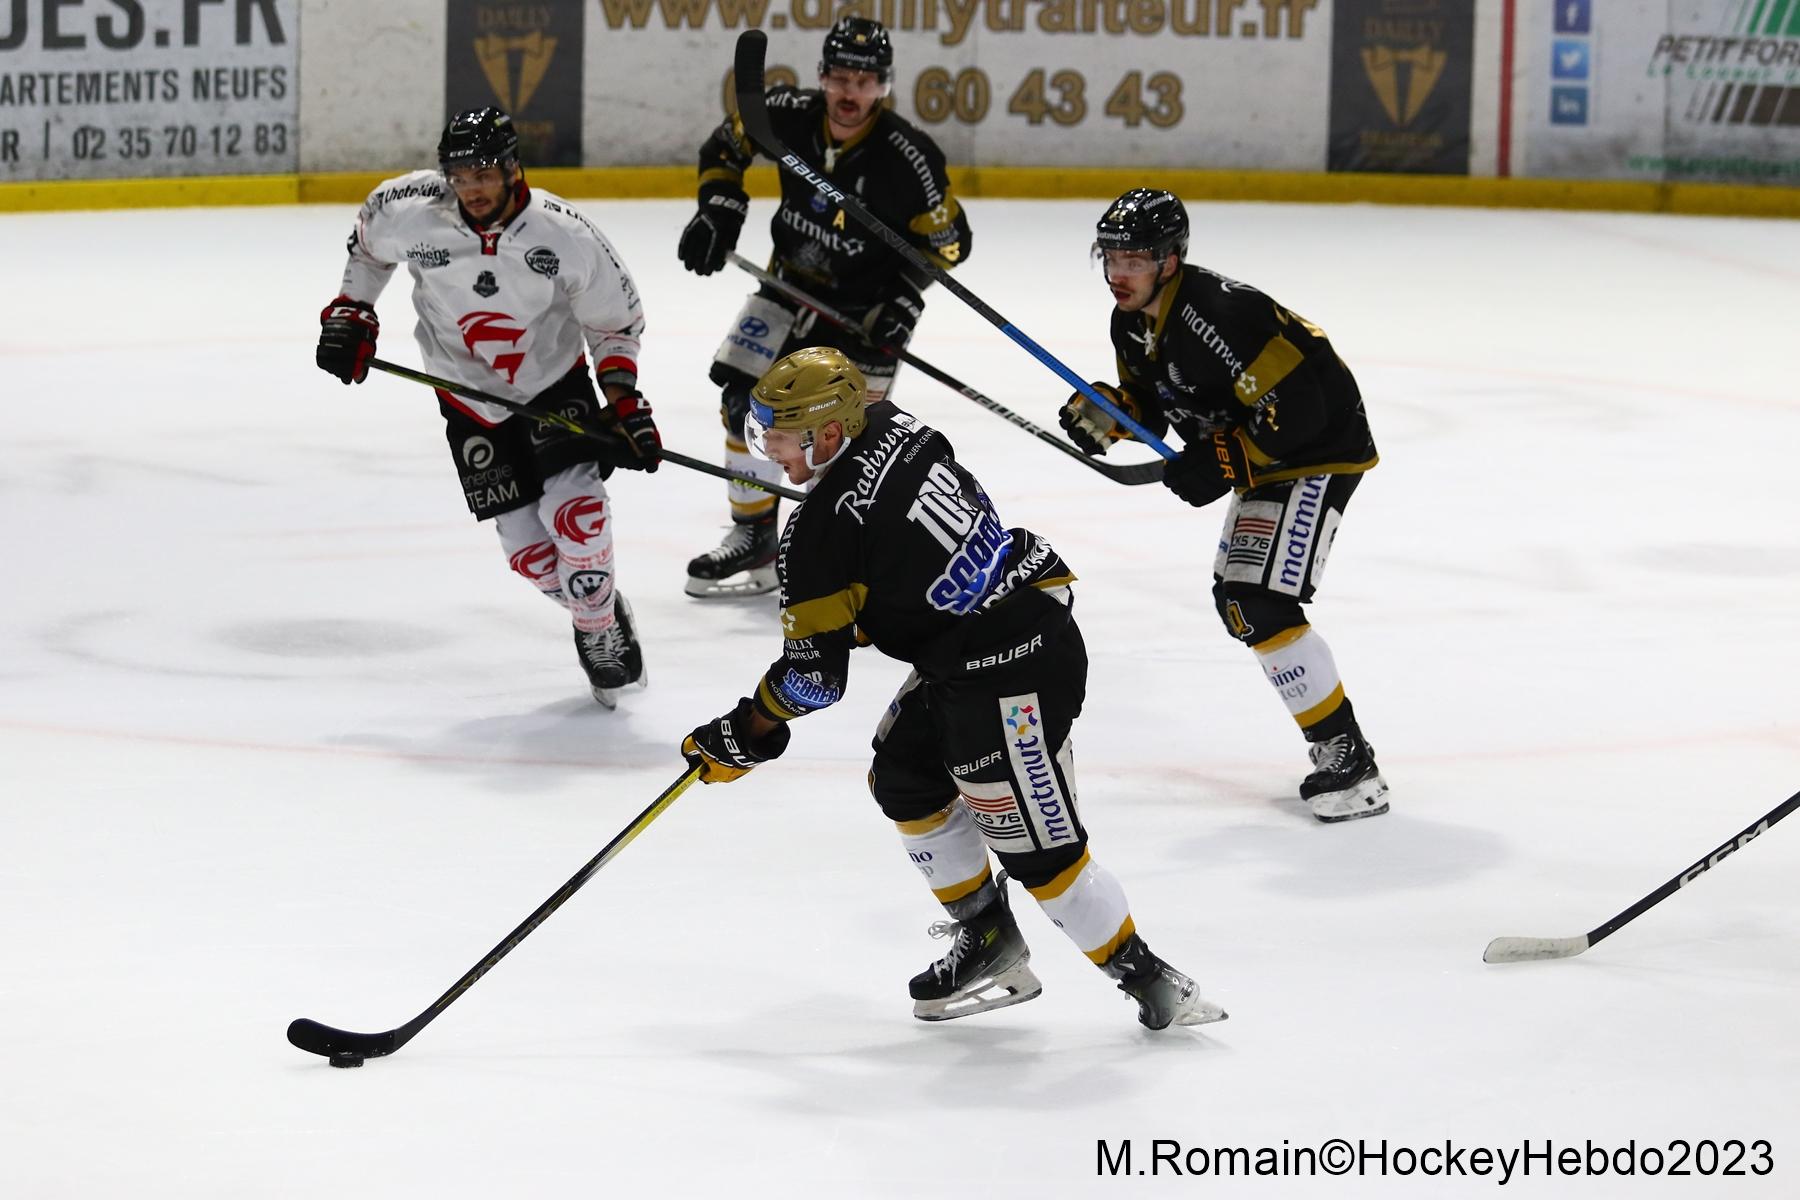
(347, 332)
(713, 231)
(725, 750)
(1207, 470)
(889, 325)
(631, 413)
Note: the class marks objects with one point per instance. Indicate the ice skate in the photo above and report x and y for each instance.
(741, 565)
(612, 658)
(988, 966)
(1164, 995)
(1345, 783)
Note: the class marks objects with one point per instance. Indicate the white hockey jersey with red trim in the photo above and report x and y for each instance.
(508, 311)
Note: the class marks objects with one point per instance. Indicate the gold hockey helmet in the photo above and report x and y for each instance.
(803, 393)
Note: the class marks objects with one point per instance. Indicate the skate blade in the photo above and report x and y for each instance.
(1201, 1012)
(755, 582)
(607, 698)
(1015, 985)
(1363, 799)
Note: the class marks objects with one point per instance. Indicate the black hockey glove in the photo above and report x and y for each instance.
(1091, 427)
(347, 333)
(724, 750)
(889, 325)
(1207, 470)
(631, 413)
(713, 233)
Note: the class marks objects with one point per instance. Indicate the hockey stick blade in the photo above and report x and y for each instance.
(1127, 473)
(753, 110)
(1520, 949)
(1528, 949)
(345, 1048)
(574, 426)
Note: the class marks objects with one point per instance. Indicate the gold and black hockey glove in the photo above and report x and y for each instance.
(1091, 427)
(1207, 470)
(725, 750)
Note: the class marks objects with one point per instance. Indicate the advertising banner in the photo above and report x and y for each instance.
(1674, 91)
(526, 58)
(1401, 72)
(133, 88)
(1153, 83)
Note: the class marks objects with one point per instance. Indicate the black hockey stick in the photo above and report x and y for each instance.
(346, 1049)
(1127, 473)
(753, 110)
(574, 426)
(1525, 949)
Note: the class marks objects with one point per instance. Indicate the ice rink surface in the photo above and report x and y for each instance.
(281, 736)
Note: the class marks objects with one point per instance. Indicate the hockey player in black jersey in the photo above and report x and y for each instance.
(897, 546)
(842, 130)
(1267, 412)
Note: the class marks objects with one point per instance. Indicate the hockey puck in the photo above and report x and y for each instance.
(346, 1058)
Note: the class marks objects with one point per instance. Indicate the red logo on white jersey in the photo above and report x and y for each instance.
(581, 519)
(479, 327)
(536, 562)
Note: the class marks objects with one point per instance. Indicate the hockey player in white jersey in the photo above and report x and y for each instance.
(514, 291)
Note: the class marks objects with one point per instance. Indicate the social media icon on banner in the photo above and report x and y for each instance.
(1569, 106)
(1574, 16)
(1569, 59)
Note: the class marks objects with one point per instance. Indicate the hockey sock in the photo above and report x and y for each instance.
(948, 851)
(530, 552)
(1299, 665)
(575, 510)
(1087, 902)
(748, 504)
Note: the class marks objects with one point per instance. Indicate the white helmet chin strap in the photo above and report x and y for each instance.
(812, 445)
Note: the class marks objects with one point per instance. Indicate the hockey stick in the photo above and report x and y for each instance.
(1525, 949)
(1128, 473)
(346, 1049)
(753, 110)
(574, 426)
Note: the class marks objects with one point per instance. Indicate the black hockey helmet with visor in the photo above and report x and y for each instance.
(859, 44)
(1149, 220)
(476, 138)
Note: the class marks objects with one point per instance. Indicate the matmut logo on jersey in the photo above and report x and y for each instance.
(485, 332)
(1051, 813)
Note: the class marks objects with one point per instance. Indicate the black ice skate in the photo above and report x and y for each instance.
(1345, 783)
(1165, 996)
(988, 966)
(612, 658)
(741, 565)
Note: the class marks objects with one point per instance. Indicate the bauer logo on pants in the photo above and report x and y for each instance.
(1048, 810)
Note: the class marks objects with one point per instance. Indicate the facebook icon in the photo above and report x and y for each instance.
(1569, 59)
(1574, 16)
(1568, 106)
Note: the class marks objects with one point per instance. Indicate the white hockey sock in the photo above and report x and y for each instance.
(575, 510)
(530, 552)
(1088, 903)
(948, 852)
(747, 502)
(1298, 663)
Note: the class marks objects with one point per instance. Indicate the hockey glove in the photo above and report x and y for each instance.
(725, 750)
(631, 413)
(889, 325)
(713, 233)
(1207, 470)
(347, 333)
(1091, 427)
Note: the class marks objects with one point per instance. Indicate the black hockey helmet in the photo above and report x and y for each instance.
(479, 137)
(859, 44)
(1144, 219)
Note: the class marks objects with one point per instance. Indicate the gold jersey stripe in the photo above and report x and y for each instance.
(1100, 954)
(1065, 879)
(968, 887)
(1322, 709)
(825, 614)
(925, 824)
(773, 703)
(1355, 468)
(1275, 363)
(1285, 638)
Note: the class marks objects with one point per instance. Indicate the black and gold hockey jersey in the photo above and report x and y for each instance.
(892, 167)
(897, 546)
(1215, 354)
